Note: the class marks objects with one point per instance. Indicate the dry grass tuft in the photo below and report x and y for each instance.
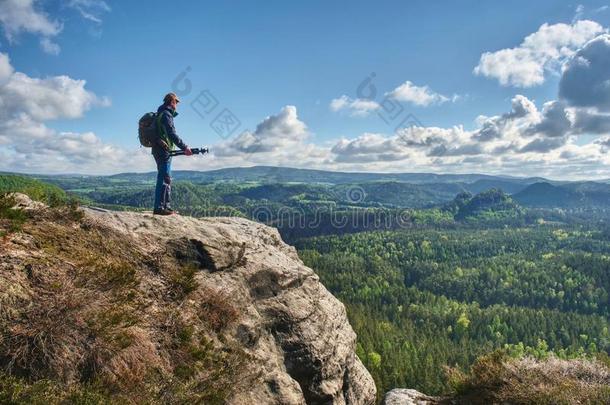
(88, 316)
(182, 281)
(204, 372)
(497, 378)
(216, 309)
(47, 339)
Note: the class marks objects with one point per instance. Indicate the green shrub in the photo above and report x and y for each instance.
(18, 391)
(11, 220)
(35, 189)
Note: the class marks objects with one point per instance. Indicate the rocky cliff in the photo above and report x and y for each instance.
(135, 307)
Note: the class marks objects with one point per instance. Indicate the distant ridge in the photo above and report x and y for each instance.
(288, 174)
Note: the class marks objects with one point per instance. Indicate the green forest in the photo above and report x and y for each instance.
(423, 299)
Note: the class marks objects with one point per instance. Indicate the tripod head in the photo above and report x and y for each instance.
(196, 151)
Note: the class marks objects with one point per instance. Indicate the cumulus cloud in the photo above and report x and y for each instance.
(6, 70)
(27, 144)
(587, 121)
(417, 95)
(543, 51)
(275, 133)
(421, 96)
(508, 125)
(358, 107)
(46, 99)
(519, 141)
(525, 140)
(585, 81)
(74, 153)
(555, 121)
(370, 147)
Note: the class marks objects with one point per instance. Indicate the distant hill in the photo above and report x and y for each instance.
(381, 193)
(547, 195)
(490, 204)
(570, 195)
(401, 194)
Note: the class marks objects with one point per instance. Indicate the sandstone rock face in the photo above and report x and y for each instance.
(402, 396)
(296, 333)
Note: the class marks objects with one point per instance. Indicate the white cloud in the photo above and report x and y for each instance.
(421, 96)
(49, 46)
(91, 10)
(358, 107)
(275, 134)
(42, 99)
(18, 16)
(523, 141)
(555, 121)
(543, 51)
(26, 16)
(74, 153)
(46, 99)
(369, 147)
(27, 144)
(6, 70)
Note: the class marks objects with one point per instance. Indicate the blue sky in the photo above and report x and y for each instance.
(279, 66)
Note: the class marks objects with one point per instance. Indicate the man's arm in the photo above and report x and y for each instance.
(168, 123)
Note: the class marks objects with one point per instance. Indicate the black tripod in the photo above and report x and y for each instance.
(196, 151)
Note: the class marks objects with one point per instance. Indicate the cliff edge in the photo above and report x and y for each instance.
(127, 306)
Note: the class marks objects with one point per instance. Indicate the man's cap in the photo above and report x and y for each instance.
(169, 97)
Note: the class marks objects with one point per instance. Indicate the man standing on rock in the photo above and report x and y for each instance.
(161, 152)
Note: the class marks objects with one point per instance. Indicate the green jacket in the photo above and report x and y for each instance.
(165, 126)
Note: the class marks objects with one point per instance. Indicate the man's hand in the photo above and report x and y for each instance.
(188, 151)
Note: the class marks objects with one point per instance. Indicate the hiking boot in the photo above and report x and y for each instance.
(163, 211)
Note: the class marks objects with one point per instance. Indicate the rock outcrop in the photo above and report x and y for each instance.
(299, 345)
(403, 396)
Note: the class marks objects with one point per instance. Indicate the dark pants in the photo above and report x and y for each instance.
(163, 190)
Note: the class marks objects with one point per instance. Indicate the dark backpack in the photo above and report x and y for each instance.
(147, 130)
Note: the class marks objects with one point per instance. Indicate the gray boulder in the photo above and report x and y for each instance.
(403, 396)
